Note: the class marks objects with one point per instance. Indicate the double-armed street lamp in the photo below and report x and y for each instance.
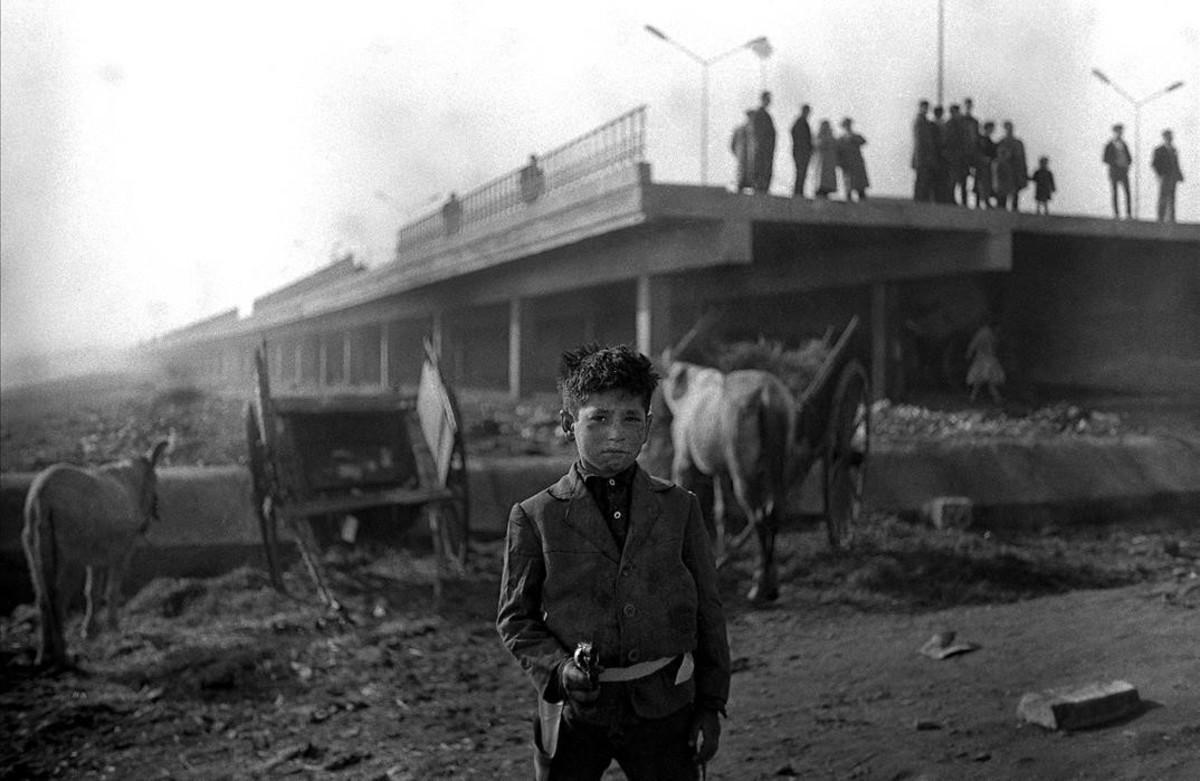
(1137, 127)
(759, 46)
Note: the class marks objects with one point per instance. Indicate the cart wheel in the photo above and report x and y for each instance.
(260, 490)
(452, 517)
(846, 447)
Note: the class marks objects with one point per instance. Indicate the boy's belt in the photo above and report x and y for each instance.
(642, 669)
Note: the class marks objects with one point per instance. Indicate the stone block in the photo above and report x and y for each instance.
(948, 512)
(1080, 707)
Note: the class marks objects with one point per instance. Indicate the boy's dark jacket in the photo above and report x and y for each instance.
(565, 581)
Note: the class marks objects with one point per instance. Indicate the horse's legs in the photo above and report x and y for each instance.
(88, 627)
(66, 583)
(766, 580)
(112, 594)
(718, 526)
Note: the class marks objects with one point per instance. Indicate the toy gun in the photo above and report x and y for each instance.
(587, 659)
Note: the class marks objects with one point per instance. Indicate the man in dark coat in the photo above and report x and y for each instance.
(763, 129)
(802, 147)
(1166, 164)
(970, 126)
(924, 154)
(1118, 159)
(1011, 152)
(943, 177)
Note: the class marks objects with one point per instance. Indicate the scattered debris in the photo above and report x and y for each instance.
(1080, 707)
(942, 645)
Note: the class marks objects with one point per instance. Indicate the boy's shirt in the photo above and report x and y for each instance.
(612, 495)
(567, 580)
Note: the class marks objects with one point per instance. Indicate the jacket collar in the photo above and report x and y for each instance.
(582, 514)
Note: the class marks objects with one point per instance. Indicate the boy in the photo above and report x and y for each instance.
(1043, 185)
(609, 595)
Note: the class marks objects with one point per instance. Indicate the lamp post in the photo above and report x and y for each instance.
(759, 46)
(1137, 129)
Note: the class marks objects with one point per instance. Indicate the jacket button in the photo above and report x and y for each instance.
(627, 571)
(629, 610)
(634, 655)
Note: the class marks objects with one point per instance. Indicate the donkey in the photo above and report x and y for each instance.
(736, 428)
(89, 518)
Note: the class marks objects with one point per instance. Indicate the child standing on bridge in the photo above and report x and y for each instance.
(609, 595)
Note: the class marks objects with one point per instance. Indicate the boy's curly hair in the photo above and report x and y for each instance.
(593, 368)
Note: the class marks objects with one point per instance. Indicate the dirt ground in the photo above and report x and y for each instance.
(225, 678)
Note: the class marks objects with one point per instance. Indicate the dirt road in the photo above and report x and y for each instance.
(227, 679)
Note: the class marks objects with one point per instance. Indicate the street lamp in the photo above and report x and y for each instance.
(1137, 128)
(759, 46)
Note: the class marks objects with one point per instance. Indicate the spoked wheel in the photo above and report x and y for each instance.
(848, 441)
(260, 490)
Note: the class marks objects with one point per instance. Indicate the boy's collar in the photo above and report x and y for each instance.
(625, 476)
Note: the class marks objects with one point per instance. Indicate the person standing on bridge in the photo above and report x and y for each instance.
(452, 214)
(1010, 152)
(924, 154)
(763, 129)
(850, 160)
(1043, 185)
(1118, 159)
(1166, 164)
(533, 180)
(609, 597)
(802, 148)
(741, 143)
(827, 149)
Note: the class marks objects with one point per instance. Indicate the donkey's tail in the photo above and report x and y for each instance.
(38, 538)
(776, 424)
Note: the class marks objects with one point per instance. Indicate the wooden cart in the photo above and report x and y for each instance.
(319, 460)
(834, 428)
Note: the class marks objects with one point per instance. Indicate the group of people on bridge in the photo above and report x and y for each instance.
(753, 145)
(1165, 162)
(956, 160)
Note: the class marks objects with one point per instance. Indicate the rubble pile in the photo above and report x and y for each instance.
(203, 428)
(907, 422)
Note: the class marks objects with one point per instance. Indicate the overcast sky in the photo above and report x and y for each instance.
(163, 161)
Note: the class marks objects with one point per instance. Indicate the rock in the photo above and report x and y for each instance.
(1080, 707)
(948, 512)
(942, 645)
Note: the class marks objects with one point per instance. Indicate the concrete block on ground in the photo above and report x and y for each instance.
(949, 512)
(1080, 707)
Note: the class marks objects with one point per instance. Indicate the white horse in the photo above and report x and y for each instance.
(737, 429)
(88, 518)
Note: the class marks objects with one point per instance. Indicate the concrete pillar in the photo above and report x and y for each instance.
(436, 335)
(653, 315)
(347, 364)
(322, 360)
(515, 338)
(879, 340)
(279, 362)
(298, 369)
(383, 356)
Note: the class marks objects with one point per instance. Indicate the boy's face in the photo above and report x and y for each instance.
(610, 429)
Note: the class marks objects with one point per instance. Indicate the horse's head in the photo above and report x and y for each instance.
(147, 488)
(676, 380)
